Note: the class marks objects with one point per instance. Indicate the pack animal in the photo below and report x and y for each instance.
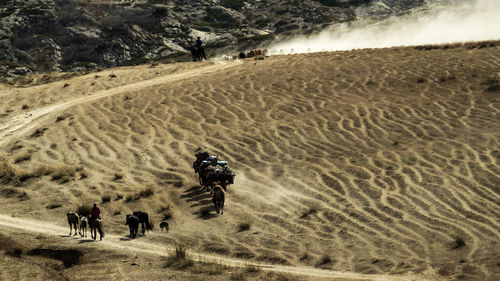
(198, 53)
(218, 198)
(133, 225)
(143, 220)
(73, 219)
(83, 226)
(96, 226)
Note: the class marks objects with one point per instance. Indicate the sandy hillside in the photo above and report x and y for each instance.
(377, 162)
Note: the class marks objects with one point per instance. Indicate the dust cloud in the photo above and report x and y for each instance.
(435, 23)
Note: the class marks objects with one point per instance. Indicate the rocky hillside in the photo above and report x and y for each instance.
(62, 35)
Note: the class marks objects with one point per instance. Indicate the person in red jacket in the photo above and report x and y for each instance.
(95, 212)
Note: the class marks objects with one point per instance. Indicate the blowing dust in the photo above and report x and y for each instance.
(435, 23)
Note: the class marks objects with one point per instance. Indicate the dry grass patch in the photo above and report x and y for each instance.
(84, 210)
(458, 242)
(10, 174)
(148, 192)
(244, 225)
(117, 177)
(22, 157)
(105, 198)
(64, 173)
(53, 206)
(179, 259)
(11, 247)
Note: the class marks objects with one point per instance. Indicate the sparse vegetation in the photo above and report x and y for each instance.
(118, 177)
(237, 276)
(117, 212)
(167, 215)
(22, 157)
(54, 206)
(9, 173)
(179, 259)
(324, 260)
(146, 192)
(84, 209)
(457, 243)
(244, 225)
(118, 197)
(312, 210)
(14, 252)
(105, 198)
(251, 268)
(64, 173)
(142, 194)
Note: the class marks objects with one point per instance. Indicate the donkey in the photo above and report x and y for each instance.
(73, 219)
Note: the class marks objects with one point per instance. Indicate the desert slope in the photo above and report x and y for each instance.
(373, 161)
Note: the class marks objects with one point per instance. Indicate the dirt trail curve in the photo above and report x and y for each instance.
(116, 242)
(21, 124)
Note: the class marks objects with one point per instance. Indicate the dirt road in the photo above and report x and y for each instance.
(120, 243)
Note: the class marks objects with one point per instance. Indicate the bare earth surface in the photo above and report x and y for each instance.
(369, 164)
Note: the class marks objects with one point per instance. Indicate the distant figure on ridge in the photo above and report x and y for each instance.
(198, 51)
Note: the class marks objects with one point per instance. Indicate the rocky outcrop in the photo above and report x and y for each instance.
(68, 35)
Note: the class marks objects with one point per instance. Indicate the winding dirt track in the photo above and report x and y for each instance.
(23, 123)
(112, 241)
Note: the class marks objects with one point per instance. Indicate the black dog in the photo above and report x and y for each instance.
(164, 225)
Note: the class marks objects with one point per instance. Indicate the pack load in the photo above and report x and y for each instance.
(212, 171)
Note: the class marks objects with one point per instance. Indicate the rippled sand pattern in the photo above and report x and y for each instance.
(373, 161)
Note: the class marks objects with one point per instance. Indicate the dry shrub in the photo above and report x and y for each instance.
(179, 259)
(22, 157)
(54, 206)
(146, 192)
(167, 215)
(11, 247)
(9, 174)
(141, 194)
(84, 210)
(208, 268)
(237, 276)
(493, 83)
(252, 268)
(105, 198)
(64, 173)
(457, 243)
(118, 177)
(244, 225)
(324, 260)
